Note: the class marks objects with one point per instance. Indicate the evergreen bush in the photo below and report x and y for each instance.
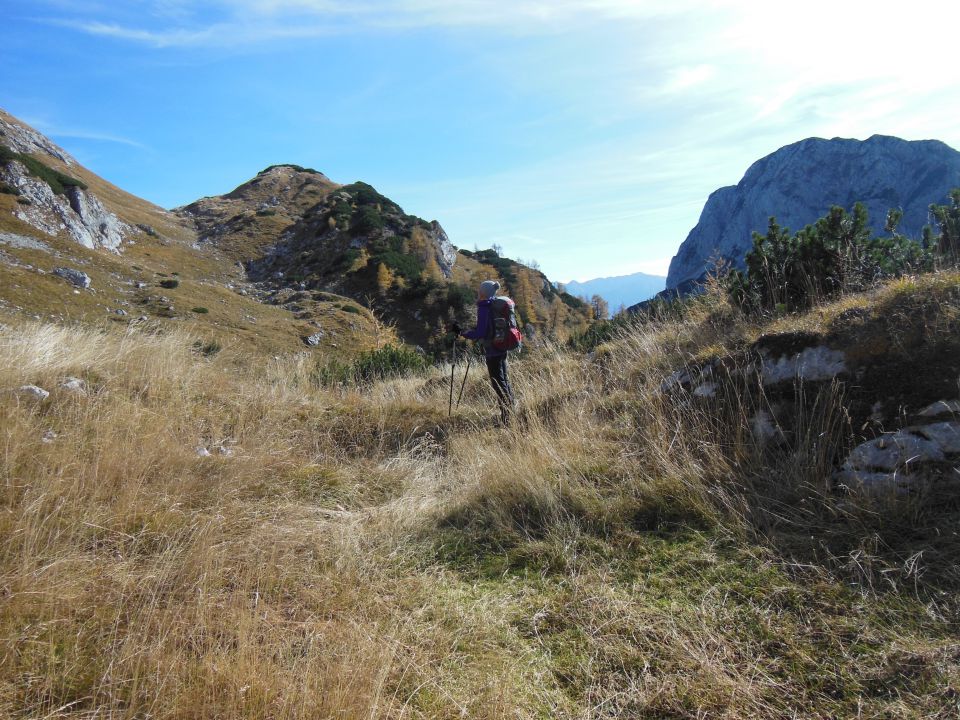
(57, 181)
(836, 254)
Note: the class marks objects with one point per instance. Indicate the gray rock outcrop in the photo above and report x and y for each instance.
(23, 139)
(77, 212)
(33, 391)
(446, 253)
(900, 460)
(800, 182)
(74, 277)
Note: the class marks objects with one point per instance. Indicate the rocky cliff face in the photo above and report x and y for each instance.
(800, 182)
(71, 209)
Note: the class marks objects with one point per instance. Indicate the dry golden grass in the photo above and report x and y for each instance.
(358, 554)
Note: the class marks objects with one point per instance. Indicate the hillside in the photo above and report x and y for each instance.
(286, 261)
(293, 230)
(712, 515)
(131, 263)
(800, 182)
(619, 291)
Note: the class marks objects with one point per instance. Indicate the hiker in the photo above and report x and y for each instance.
(496, 358)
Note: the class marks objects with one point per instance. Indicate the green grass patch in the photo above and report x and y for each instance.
(57, 181)
(207, 348)
(370, 366)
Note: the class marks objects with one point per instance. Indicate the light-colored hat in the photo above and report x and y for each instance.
(488, 288)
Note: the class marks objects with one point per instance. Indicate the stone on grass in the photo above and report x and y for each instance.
(707, 389)
(811, 365)
(33, 391)
(73, 385)
(74, 277)
(892, 452)
(946, 435)
(941, 407)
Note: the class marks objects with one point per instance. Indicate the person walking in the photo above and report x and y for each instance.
(496, 359)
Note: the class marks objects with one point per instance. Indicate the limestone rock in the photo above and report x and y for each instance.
(800, 182)
(812, 364)
(896, 461)
(74, 277)
(941, 407)
(73, 384)
(23, 242)
(946, 435)
(446, 253)
(893, 452)
(707, 389)
(314, 340)
(33, 391)
(77, 212)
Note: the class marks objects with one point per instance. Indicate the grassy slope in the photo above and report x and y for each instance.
(359, 554)
(203, 272)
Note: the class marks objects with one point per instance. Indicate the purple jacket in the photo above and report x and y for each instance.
(482, 330)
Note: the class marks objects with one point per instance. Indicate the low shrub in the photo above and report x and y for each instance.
(57, 181)
(200, 310)
(169, 284)
(208, 348)
(386, 362)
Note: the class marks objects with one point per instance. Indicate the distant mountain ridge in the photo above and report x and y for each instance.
(288, 258)
(800, 182)
(619, 290)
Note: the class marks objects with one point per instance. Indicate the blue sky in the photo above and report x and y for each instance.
(583, 135)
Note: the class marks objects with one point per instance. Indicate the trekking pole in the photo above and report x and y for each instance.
(453, 364)
(464, 383)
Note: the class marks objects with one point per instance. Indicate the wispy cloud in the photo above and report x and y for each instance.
(57, 132)
(220, 23)
(157, 38)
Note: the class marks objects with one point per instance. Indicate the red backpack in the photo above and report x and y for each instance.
(503, 333)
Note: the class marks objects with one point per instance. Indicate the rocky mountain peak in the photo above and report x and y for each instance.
(800, 182)
(51, 196)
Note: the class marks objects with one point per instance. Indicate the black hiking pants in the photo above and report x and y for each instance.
(497, 367)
